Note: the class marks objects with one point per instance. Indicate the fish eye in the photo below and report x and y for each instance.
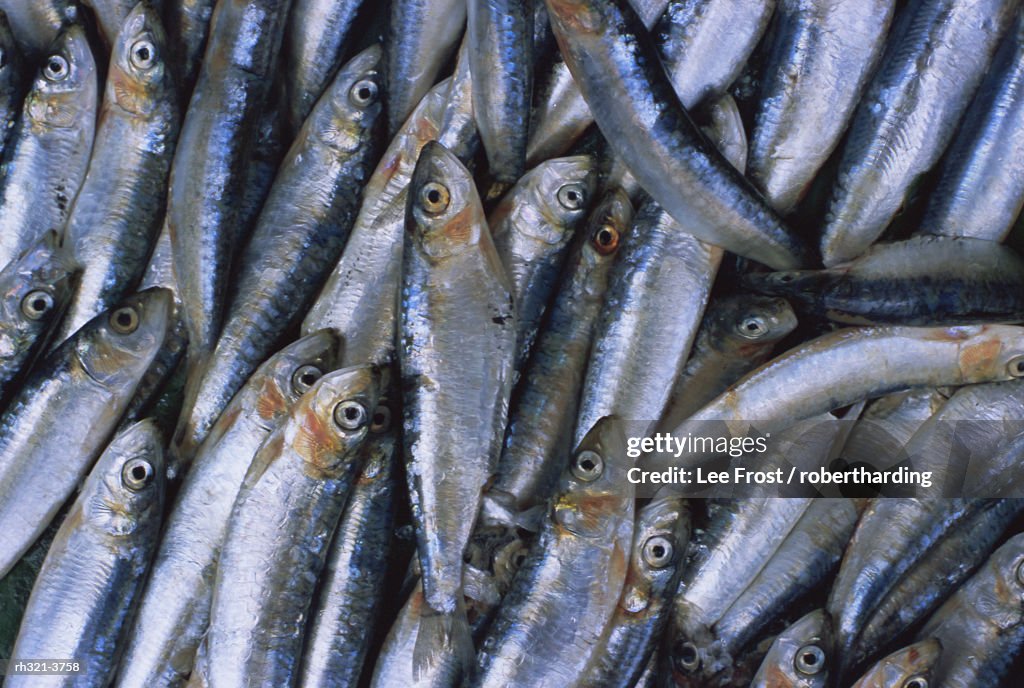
(1020, 572)
(124, 320)
(810, 660)
(606, 239)
(1015, 367)
(363, 93)
(657, 551)
(434, 198)
(572, 196)
(753, 327)
(56, 68)
(686, 657)
(305, 377)
(587, 466)
(381, 421)
(916, 682)
(350, 415)
(36, 304)
(136, 474)
(143, 54)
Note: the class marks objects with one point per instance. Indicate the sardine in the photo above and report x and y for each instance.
(48, 157)
(90, 580)
(541, 422)
(532, 227)
(980, 627)
(77, 394)
(924, 281)
(456, 347)
(655, 563)
(548, 628)
(209, 169)
(910, 667)
(617, 69)
(736, 335)
(352, 588)
(175, 605)
(276, 543)
(501, 62)
(298, 238)
(34, 290)
(936, 55)
(981, 190)
(188, 27)
(801, 656)
(820, 58)
(116, 217)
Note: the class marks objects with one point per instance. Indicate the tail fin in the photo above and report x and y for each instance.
(443, 639)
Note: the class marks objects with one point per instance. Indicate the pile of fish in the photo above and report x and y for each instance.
(329, 329)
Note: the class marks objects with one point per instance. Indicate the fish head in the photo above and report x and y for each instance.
(605, 226)
(290, 373)
(380, 449)
(1003, 602)
(910, 667)
(139, 80)
(751, 322)
(118, 345)
(333, 418)
(690, 650)
(577, 16)
(547, 202)
(126, 487)
(595, 487)
(443, 212)
(661, 535)
(65, 88)
(801, 656)
(34, 290)
(349, 112)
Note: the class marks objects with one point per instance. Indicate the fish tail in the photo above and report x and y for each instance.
(441, 634)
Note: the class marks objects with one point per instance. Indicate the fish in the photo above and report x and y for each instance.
(80, 391)
(935, 57)
(421, 36)
(616, 66)
(297, 240)
(47, 159)
(110, 16)
(853, 364)
(501, 63)
(532, 227)
(352, 591)
(924, 281)
(736, 335)
(316, 38)
(705, 43)
(188, 27)
(208, 173)
(820, 58)
(94, 569)
(660, 536)
(980, 190)
(287, 508)
(980, 627)
(645, 330)
(547, 629)
(801, 656)
(893, 538)
(543, 412)
(116, 217)
(34, 291)
(37, 24)
(174, 609)
(909, 667)
(935, 577)
(456, 334)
